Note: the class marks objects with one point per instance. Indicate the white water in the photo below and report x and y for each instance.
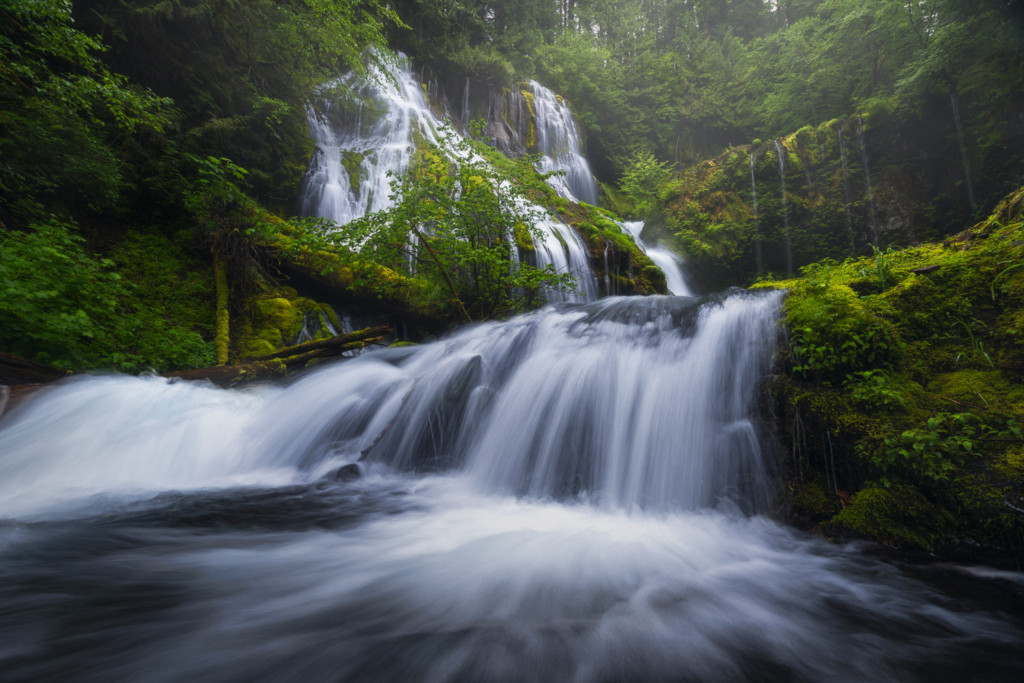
(559, 143)
(873, 221)
(668, 261)
(846, 189)
(558, 497)
(383, 128)
(963, 148)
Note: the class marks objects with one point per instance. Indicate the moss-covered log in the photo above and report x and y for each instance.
(280, 363)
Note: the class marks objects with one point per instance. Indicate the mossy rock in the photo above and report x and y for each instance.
(352, 162)
(811, 502)
(898, 516)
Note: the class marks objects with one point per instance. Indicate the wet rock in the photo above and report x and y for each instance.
(345, 473)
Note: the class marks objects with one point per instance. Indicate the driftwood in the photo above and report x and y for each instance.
(283, 361)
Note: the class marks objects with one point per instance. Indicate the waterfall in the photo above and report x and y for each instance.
(378, 139)
(785, 209)
(757, 227)
(668, 261)
(867, 177)
(559, 144)
(963, 148)
(846, 189)
(570, 495)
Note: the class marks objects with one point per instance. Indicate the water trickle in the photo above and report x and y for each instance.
(667, 260)
(785, 208)
(963, 148)
(757, 227)
(867, 177)
(846, 189)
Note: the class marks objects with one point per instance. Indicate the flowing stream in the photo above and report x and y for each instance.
(577, 494)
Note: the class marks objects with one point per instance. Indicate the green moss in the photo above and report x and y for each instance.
(917, 380)
(898, 515)
(524, 240)
(352, 161)
(812, 502)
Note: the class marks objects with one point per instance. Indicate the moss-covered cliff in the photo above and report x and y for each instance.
(901, 394)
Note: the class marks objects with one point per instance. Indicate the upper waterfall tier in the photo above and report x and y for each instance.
(558, 141)
(362, 142)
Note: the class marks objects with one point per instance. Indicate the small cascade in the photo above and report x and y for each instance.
(559, 144)
(356, 151)
(757, 227)
(466, 111)
(785, 209)
(963, 148)
(846, 188)
(668, 261)
(867, 177)
(370, 143)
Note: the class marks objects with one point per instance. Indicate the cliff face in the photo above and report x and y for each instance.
(837, 190)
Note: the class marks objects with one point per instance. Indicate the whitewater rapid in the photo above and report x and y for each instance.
(578, 494)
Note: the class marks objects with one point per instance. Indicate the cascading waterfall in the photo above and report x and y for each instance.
(757, 227)
(668, 261)
(867, 178)
(963, 148)
(378, 139)
(846, 188)
(564, 496)
(785, 208)
(373, 141)
(559, 143)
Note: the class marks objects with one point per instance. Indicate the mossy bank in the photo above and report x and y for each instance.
(900, 396)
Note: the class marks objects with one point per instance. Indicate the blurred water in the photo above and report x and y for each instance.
(571, 495)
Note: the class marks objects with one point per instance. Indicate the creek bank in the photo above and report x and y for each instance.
(900, 395)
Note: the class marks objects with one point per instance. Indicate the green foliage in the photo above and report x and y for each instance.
(833, 333)
(944, 444)
(452, 223)
(455, 222)
(897, 515)
(61, 306)
(643, 182)
(875, 389)
(63, 114)
(930, 431)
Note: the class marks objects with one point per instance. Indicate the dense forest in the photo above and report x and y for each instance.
(154, 153)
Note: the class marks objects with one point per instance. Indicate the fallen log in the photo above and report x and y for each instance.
(331, 343)
(283, 361)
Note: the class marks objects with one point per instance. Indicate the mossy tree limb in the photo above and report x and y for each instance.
(223, 335)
